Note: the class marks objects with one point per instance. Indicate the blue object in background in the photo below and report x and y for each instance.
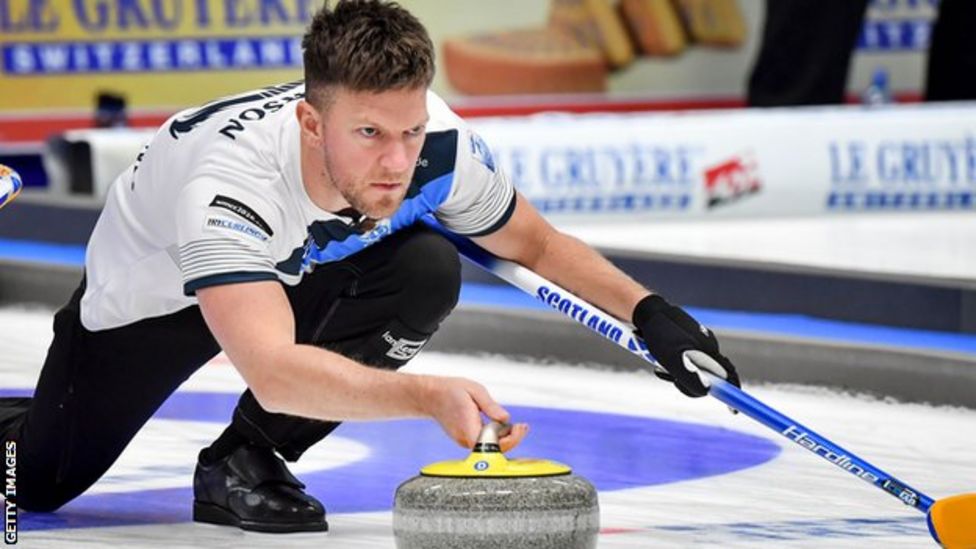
(29, 166)
(878, 91)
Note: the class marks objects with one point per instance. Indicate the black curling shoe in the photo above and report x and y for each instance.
(252, 489)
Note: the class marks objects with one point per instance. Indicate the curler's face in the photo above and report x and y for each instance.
(370, 144)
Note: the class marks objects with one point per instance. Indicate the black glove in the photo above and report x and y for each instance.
(670, 333)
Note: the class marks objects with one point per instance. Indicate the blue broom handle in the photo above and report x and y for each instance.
(624, 336)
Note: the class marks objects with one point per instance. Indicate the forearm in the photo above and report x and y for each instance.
(576, 266)
(531, 241)
(307, 381)
(311, 382)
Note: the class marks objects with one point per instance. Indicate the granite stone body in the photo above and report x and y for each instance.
(555, 512)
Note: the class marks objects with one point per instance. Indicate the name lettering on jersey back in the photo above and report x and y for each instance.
(253, 114)
(188, 123)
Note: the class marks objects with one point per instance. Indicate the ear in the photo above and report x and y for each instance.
(310, 123)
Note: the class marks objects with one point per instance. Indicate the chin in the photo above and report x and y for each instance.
(383, 208)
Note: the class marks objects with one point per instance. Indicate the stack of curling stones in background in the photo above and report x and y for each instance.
(488, 501)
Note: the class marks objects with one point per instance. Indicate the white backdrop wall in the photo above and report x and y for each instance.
(735, 163)
(744, 162)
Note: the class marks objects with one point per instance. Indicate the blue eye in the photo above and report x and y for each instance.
(368, 132)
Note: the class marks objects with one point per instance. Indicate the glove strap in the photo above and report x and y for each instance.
(648, 307)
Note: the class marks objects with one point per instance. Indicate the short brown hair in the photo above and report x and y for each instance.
(365, 46)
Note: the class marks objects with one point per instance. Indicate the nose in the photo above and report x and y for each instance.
(396, 158)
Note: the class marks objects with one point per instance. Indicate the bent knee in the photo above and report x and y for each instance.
(429, 266)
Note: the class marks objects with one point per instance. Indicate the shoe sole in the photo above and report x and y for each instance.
(212, 514)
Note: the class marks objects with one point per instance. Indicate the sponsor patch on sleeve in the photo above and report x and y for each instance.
(243, 211)
(221, 223)
(481, 152)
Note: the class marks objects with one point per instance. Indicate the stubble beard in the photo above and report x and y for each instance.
(353, 192)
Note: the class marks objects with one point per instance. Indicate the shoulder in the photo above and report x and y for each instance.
(441, 115)
(448, 135)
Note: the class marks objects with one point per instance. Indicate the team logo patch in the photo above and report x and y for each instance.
(481, 152)
(402, 349)
(382, 229)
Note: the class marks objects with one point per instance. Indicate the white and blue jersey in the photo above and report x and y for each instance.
(217, 197)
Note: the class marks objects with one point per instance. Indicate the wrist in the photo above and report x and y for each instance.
(647, 307)
(419, 389)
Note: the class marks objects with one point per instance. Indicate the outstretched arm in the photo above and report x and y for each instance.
(528, 239)
(312, 382)
(675, 339)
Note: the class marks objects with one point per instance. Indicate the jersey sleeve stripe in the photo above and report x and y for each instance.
(501, 221)
(190, 288)
(202, 259)
(227, 264)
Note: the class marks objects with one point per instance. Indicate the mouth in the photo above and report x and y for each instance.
(386, 185)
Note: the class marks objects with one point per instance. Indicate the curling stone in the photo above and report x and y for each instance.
(488, 501)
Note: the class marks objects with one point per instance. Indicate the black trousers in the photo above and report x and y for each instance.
(97, 389)
(952, 53)
(807, 45)
(805, 52)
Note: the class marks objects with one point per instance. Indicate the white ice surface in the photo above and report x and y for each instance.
(795, 495)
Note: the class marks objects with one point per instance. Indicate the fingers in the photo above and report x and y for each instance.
(719, 365)
(461, 404)
(477, 400)
(496, 412)
(693, 381)
(466, 434)
(449, 402)
(470, 426)
(513, 438)
(696, 361)
(733, 375)
(699, 362)
(488, 405)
